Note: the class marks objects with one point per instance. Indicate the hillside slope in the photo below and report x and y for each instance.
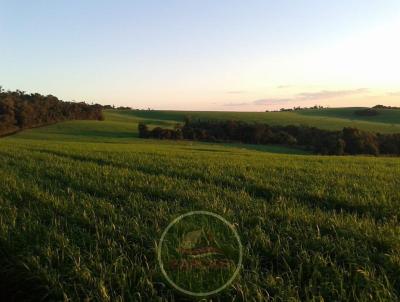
(388, 121)
(84, 203)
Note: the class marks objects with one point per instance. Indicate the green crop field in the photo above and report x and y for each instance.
(83, 205)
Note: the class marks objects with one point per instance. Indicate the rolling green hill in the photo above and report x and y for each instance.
(386, 116)
(84, 203)
(388, 121)
(121, 125)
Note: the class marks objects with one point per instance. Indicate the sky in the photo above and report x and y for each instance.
(231, 55)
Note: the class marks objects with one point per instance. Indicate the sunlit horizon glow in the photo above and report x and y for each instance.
(204, 55)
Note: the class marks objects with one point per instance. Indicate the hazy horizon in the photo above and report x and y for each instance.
(203, 55)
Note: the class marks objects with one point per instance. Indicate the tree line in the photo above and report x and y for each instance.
(346, 141)
(385, 107)
(19, 110)
(298, 108)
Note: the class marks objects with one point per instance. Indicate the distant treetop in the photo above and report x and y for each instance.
(385, 107)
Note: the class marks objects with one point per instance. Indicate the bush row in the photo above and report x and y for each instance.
(346, 141)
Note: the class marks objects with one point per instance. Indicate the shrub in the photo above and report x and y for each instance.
(143, 130)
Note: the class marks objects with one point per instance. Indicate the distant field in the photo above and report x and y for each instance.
(83, 204)
(336, 118)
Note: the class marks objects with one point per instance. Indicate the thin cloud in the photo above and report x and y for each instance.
(284, 86)
(271, 101)
(236, 104)
(305, 96)
(394, 93)
(328, 94)
(311, 96)
(236, 92)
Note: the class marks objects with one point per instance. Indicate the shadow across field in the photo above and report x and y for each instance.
(209, 150)
(18, 283)
(271, 149)
(149, 116)
(104, 134)
(313, 201)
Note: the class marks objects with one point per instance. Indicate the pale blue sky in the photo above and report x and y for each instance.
(204, 55)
